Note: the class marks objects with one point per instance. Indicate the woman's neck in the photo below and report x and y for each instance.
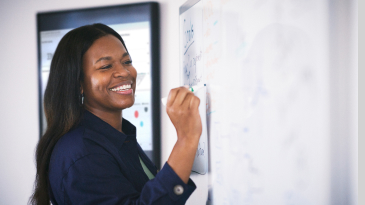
(112, 118)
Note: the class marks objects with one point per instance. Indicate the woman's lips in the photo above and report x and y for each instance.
(124, 92)
(124, 88)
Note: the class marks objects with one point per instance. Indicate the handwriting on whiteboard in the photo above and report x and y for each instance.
(191, 75)
(188, 35)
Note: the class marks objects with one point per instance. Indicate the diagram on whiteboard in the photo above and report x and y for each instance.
(191, 44)
(192, 72)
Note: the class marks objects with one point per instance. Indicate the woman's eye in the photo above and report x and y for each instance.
(106, 67)
(129, 62)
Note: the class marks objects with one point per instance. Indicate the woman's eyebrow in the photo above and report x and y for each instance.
(125, 54)
(104, 58)
(109, 57)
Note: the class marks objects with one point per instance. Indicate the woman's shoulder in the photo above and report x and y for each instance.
(70, 145)
(79, 142)
(73, 146)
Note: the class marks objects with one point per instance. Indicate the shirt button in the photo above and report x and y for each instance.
(178, 190)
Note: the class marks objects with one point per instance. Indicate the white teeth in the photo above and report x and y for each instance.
(123, 87)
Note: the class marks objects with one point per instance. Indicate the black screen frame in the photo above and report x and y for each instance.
(118, 14)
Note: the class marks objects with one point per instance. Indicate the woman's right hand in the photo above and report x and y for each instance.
(183, 109)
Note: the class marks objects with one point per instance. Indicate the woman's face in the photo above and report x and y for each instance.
(109, 76)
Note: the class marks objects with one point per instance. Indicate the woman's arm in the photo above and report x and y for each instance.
(182, 108)
(97, 179)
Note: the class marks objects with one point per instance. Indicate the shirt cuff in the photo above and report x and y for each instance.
(175, 187)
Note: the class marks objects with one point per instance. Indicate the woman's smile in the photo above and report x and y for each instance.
(124, 88)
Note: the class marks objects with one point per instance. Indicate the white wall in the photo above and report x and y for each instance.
(354, 59)
(19, 88)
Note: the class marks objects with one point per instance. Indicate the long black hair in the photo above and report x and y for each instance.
(62, 101)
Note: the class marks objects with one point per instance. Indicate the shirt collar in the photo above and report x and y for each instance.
(96, 124)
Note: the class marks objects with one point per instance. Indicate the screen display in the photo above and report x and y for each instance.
(137, 39)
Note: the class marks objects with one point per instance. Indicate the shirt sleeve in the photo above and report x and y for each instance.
(97, 179)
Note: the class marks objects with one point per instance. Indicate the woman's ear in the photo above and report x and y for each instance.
(81, 94)
(81, 88)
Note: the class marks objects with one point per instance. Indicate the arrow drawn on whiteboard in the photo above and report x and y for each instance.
(188, 47)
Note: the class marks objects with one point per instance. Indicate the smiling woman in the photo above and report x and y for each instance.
(89, 154)
(110, 80)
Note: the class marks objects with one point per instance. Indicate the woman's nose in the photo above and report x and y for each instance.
(121, 71)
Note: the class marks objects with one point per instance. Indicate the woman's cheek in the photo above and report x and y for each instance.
(97, 83)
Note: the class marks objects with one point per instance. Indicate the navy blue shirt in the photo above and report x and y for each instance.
(96, 164)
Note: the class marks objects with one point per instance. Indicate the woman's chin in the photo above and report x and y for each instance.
(125, 105)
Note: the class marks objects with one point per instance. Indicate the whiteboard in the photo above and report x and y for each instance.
(191, 66)
(265, 64)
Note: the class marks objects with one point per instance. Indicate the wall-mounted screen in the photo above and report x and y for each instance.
(139, 27)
